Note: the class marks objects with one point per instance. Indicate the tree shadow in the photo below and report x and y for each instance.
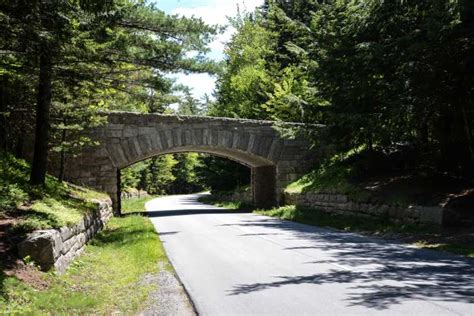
(3, 278)
(117, 237)
(377, 273)
(203, 211)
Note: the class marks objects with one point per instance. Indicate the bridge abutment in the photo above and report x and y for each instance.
(263, 186)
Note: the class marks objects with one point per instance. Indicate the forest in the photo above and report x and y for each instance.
(392, 81)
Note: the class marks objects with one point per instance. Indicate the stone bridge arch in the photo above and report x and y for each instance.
(131, 137)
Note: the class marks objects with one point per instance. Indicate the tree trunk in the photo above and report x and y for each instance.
(19, 145)
(118, 207)
(3, 110)
(40, 157)
(62, 158)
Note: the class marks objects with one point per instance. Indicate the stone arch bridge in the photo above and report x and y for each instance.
(127, 138)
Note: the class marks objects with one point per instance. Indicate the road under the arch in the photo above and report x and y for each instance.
(245, 264)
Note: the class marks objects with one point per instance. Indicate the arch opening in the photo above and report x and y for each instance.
(261, 173)
(245, 158)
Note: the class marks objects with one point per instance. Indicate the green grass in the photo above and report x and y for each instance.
(136, 205)
(334, 175)
(55, 205)
(368, 226)
(341, 222)
(460, 249)
(362, 225)
(104, 280)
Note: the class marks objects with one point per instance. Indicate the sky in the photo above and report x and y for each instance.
(212, 12)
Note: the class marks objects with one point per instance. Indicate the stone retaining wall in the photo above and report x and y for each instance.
(244, 196)
(56, 248)
(132, 194)
(342, 204)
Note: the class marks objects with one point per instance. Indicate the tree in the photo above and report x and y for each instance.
(115, 45)
(188, 105)
(186, 179)
(220, 174)
(245, 83)
(379, 74)
(158, 177)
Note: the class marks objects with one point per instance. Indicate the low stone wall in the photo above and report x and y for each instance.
(240, 195)
(341, 204)
(131, 194)
(56, 248)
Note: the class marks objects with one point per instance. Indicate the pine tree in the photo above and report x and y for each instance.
(101, 45)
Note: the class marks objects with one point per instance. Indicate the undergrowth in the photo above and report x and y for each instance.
(335, 174)
(107, 279)
(53, 205)
(230, 205)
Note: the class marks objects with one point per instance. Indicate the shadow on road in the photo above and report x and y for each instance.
(380, 273)
(163, 213)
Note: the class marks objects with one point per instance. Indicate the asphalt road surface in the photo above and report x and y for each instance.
(245, 264)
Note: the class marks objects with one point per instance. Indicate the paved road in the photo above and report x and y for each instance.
(244, 264)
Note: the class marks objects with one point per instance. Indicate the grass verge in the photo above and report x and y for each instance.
(106, 279)
(427, 237)
(136, 205)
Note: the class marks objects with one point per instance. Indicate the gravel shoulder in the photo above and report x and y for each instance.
(170, 298)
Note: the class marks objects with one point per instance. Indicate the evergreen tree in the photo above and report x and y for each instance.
(106, 46)
(379, 74)
(158, 177)
(188, 105)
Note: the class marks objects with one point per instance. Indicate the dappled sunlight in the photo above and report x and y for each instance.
(376, 272)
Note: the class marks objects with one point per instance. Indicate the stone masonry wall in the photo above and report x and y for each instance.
(133, 194)
(341, 204)
(57, 248)
(241, 195)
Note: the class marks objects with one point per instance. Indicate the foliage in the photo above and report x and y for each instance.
(104, 280)
(55, 205)
(217, 199)
(378, 74)
(219, 174)
(337, 174)
(158, 177)
(245, 83)
(185, 173)
(189, 105)
(82, 58)
(12, 185)
(130, 176)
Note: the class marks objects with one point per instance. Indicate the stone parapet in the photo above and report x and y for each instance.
(57, 248)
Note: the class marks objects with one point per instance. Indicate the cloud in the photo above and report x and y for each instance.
(217, 11)
(212, 12)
